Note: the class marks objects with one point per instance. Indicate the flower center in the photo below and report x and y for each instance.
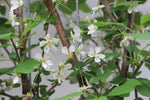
(43, 60)
(49, 42)
(94, 54)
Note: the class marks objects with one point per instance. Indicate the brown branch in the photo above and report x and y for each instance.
(24, 77)
(124, 69)
(63, 36)
(137, 69)
(106, 3)
(8, 3)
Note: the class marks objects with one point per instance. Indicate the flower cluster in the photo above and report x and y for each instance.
(14, 5)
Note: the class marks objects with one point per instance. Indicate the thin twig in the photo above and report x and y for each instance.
(8, 95)
(15, 49)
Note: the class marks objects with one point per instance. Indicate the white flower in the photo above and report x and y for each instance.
(81, 51)
(86, 89)
(16, 78)
(12, 18)
(15, 4)
(64, 67)
(132, 8)
(96, 8)
(69, 51)
(59, 75)
(49, 42)
(46, 63)
(88, 19)
(126, 41)
(76, 36)
(95, 54)
(92, 29)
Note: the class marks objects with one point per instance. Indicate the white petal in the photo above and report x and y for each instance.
(72, 48)
(44, 65)
(81, 47)
(46, 49)
(97, 49)
(15, 80)
(97, 59)
(48, 62)
(64, 50)
(90, 54)
(68, 66)
(101, 56)
(76, 29)
(42, 43)
(55, 40)
(47, 37)
(38, 56)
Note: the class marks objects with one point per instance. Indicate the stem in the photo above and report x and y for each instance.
(15, 49)
(137, 69)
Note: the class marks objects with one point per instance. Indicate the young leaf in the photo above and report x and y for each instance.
(127, 87)
(145, 19)
(6, 70)
(27, 66)
(75, 94)
(142, 36)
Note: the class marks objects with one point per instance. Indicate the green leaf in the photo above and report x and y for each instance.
(127, 3)
(119, 79)
(100, 98)
(6, 70)
(103, 77)
(75, 94)
(127, 87)
(144, 53)
(28, 28)
(2, 10)
(107, 55)
(13, 56)
(68, 8)
(144, 89)
(83, 6)
(141, 36)
(43, 91)
(27, 66)
(145, 19)
(30, 48)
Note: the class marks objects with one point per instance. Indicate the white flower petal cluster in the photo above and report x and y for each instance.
(132, 8)
(96, 54)
(49, 42)
(86, 89)
(61, 71)
(92, 29)
(16, 77)
(76, 36)
(14, 5)
(46, 63)
(69, 51)
(126, 41)
(96, 8)
(80, 51)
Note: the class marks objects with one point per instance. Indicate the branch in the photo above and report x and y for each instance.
(137, 69)
(106, 3)
(124, 69)
(8, 95)
(63, 36)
